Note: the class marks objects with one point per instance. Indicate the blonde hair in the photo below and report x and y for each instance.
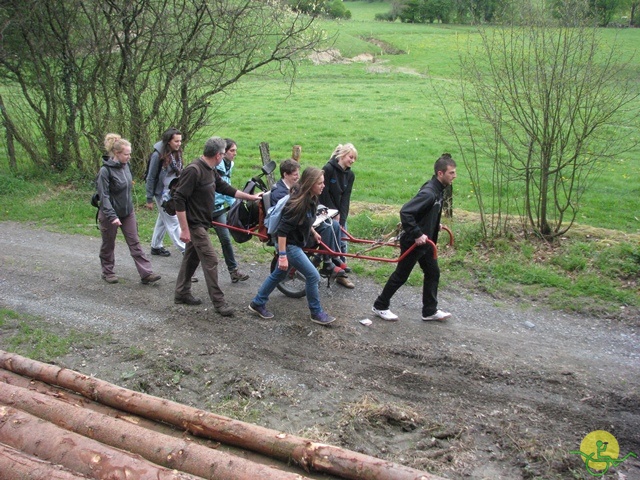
(342, 150)
(114, 143)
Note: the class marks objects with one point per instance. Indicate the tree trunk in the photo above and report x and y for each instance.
(306, 453)
(170, 452)
(15, 464)
(37, 437)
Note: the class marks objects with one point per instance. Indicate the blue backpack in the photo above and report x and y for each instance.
(274, 215)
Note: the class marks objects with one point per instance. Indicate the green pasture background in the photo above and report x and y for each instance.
(389, 107)
(390, 110)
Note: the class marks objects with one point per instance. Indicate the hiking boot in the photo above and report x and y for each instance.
(438, 316)
(225, 310)
(163, 252)
(110, 278)
(238, 276)
(322, 318)
(151, 278)
(261, 310)
(187, 299)
(344, 281)
(387, 315)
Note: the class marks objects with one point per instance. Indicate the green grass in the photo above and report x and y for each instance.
(366, 11)
(389, 109)
(29, 336)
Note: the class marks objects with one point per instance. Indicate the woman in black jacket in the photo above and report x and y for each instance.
(339, 179)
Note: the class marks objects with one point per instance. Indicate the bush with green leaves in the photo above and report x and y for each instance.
(332, 9)
(338, 10)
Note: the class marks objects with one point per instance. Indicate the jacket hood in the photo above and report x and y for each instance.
(158, 146)
(111, 162)
(333, 161)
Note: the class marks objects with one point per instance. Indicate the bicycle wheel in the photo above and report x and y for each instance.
(294, 284)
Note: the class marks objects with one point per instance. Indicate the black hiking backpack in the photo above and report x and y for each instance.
(244, 214)
(95, 198)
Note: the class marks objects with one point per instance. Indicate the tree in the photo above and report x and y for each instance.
(551, 101)
(76, 69)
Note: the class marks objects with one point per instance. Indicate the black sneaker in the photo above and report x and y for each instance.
(163, 252)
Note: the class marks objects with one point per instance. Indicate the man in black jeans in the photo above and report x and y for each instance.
(420, 219)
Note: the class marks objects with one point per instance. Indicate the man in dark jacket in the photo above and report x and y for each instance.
(420, 219)
(194, 197)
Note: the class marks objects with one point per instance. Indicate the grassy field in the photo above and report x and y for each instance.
(388, 108)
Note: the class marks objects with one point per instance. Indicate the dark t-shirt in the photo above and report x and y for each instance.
(196, 191)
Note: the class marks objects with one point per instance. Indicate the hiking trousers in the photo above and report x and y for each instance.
(423, 255)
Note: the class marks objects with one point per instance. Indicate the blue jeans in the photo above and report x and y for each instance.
(343, 243)
(299, 260)
(225, 242)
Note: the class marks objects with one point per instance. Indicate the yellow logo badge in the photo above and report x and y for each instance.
(600, 451)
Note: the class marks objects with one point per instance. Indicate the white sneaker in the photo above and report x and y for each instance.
(387, 315)
(439, 316)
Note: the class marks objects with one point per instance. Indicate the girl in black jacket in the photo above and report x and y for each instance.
(294, 231)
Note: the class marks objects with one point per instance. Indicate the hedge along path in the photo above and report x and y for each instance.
(311, 456)
(170, 452)
(20, 465)
(45, 440)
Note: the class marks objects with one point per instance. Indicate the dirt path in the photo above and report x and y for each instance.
(500, 391)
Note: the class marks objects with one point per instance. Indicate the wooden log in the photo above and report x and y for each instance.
(40, 438)
(79, 401)
(16, 464)
(311, 456)
(165, 450)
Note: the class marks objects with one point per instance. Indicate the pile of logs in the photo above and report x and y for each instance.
(56, 423)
